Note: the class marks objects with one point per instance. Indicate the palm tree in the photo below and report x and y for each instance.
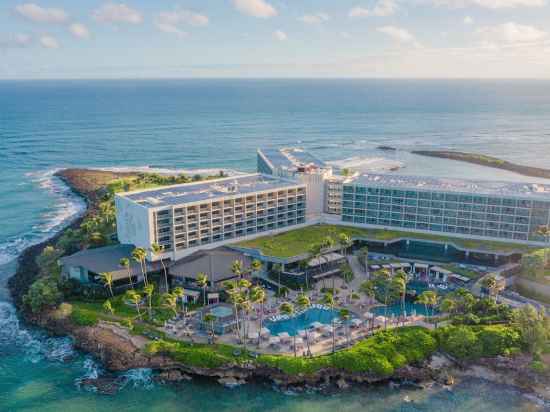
(328, 299)
(139, 254)
(345, 242)
(202, 281)
(157, 250)
(179, 293)
(400, 286)
(171, 302)
(368, 289)
(287, 308)
(108, 307)
(383, 279)
(302, 303)
(347, 275)
(544, 231)
(135, 298)
(237, 268)
(125, 263)
(345, 316)
(429, 299)
(256, 265)
(258, 295)
(277, 268)
(210, 318)
(148, 290)
(107, 279)
(235, 298)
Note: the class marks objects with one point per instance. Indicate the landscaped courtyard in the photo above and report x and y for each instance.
(298, 242)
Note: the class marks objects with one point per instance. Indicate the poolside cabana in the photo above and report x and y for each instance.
(191, 296)
(421, 269)
(439, 273)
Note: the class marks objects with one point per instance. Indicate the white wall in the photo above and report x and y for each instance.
(134, 223)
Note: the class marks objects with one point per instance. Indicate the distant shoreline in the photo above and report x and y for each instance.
(484, 160)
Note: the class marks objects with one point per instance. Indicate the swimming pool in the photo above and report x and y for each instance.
(301, 321)
(395, 309)
(221, 311)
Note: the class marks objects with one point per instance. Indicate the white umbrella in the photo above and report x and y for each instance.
(302, 333)
(265, 332)
(314, 336)
(356, 322)
(380, 319)
(298, 340)
(317, 325)
(284, 336)
(368, 315)
(274, 340)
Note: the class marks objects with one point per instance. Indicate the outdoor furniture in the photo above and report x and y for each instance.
(316, 325)
(274, 341)
(314, 336)
(265, 332)
(302, 333)
(284, 336)
(356, 322)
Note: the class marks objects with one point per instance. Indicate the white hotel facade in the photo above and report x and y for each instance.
(294, 189)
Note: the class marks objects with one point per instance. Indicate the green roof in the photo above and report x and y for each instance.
(298, 242)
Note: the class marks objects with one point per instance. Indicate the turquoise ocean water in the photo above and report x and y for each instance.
(46, 125)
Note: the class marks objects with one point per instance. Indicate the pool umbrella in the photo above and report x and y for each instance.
(314, 336)
(274, 340)
(317, 325)
(265, 332)
(356, 322)
(368, 315)
(284, 336)
(380, 319)
(302, 333)
(299, 341)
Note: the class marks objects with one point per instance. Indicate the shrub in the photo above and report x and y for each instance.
(82, 317)
(43, 293)
(498, 339)
(460, 342)
(538, 366)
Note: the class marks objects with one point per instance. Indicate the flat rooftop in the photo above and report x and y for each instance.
(292, 159)
(211, 189)
(474, 187)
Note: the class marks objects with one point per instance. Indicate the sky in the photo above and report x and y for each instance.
(275, 38)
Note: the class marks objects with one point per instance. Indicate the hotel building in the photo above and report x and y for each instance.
(187, 217)
(293, 188)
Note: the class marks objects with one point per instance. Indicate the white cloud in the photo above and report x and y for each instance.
(345, 35)
(117, 13)
(280, 35)
(79, 30)
(511, 34)
(399, 34)
(383, 8)
(175, 21)
(255, 8)
(49, 42)
(35, 13)
(16, 41)
(315, 18)
(468, 20)
(491, 4)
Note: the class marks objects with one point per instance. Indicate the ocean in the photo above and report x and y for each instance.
(198, 124)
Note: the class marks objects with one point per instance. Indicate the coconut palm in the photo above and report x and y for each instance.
(258, 296)
(345, 316)
(170, 301)
(235, 297)
(139, 254)
(278, 269)
(544, 231)
(202, 281)
(328, 299)
(347, 276)
(428, 298)
(210, 318)
(135, 298)
(125, 263)
(179, 293)
(345, 242)
(108, 307)
(158, 250)
(237, 268)
(400, 286)
(302, 303)
(256, 266)
(149, 290)
(107, 279)
(287, 308)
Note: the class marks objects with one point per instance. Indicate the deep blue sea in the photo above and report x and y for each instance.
(190, 124)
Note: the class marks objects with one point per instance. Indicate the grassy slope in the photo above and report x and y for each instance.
(297, 242)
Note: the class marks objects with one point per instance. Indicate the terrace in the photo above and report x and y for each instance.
(297, 242)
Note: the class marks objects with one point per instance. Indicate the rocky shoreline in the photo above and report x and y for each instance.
(118, 351)
(488, 161)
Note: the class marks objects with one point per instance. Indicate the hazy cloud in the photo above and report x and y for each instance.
(255, 8)
(468, 20)
(49, 42)
(176, 21)
(511, 33)
(37, 14)
(79, 30)
(117, 13)
(381, 9)
(16, 41)
(491, 4)
(399, 34)
(315, 18)
(280, 35)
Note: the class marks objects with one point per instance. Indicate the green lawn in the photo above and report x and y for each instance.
(469, 273)
(297, 242)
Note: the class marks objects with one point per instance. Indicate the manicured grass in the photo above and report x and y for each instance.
(469, 273)
(297, 242)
